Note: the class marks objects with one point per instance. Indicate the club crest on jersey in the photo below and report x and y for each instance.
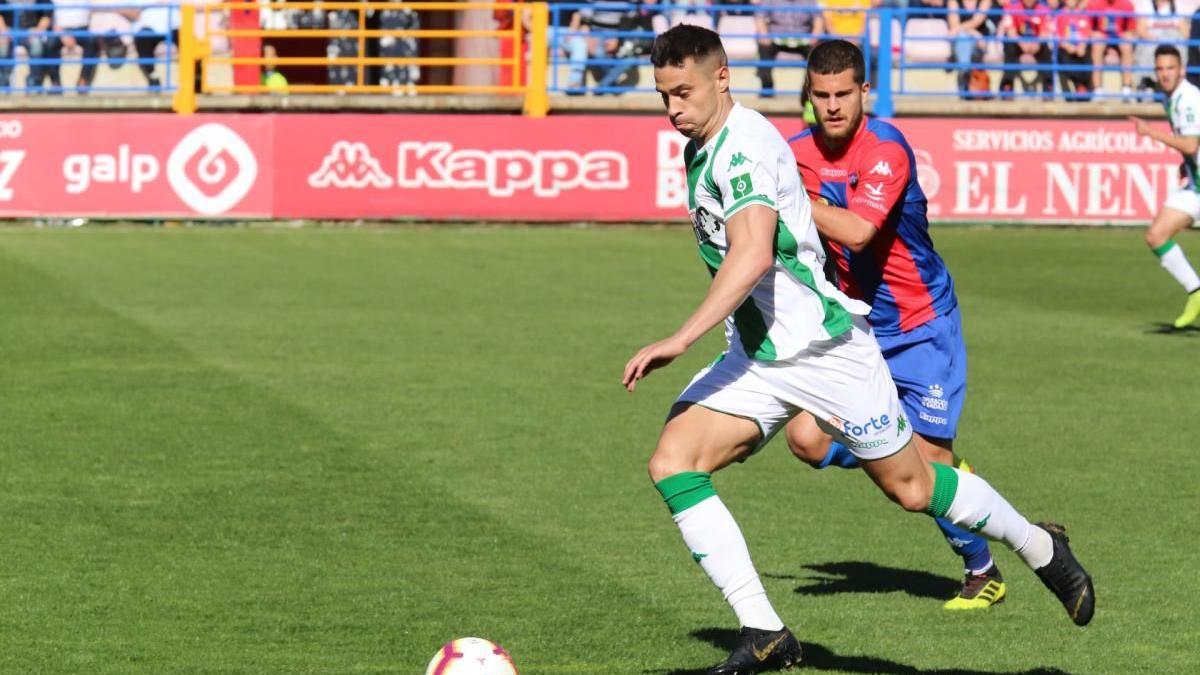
(882, 169)
(706, 224)
(853, 180)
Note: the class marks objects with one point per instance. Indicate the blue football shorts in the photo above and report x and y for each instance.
(929, 366)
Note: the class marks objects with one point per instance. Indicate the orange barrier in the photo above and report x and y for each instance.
(193, 50)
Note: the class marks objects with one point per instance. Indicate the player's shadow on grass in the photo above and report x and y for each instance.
(1163, 328)
(818, 657)
(853, 576)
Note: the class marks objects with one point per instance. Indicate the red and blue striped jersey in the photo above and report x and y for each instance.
(875, 176)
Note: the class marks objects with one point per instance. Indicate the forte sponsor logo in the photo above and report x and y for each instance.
(853, 430)
(547, 173)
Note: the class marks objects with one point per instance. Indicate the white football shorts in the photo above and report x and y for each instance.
(1185, 200)
(844, 383)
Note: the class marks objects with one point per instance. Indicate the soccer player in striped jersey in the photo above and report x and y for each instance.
(879, 240)
(794, 343)
(1182, 206)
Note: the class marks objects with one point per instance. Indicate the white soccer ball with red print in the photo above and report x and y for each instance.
(471, 656)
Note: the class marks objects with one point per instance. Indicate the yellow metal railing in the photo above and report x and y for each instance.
(195, 50)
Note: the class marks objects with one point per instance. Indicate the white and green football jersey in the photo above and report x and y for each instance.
(1183, 110)
(748, 162)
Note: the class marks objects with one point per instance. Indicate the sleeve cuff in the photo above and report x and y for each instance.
(746, 201)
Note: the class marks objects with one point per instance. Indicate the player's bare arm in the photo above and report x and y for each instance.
(751, 233)
(843, 226)
(1188, 145)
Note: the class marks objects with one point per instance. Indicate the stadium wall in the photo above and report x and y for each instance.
(512, 168)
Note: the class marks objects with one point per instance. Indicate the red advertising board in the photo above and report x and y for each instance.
(510, 168)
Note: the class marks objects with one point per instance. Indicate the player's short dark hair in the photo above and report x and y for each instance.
(684, 41)
(1167, 50)
(836, 56)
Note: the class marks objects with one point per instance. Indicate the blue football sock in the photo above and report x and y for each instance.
(839, 455)
(970, 546)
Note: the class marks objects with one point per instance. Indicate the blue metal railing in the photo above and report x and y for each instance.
(580, 53)
(41, 40)
(569, 49)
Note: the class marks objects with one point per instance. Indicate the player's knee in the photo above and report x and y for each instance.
(669, 459)
(807, 451)
(1156, 236)
(911, 495)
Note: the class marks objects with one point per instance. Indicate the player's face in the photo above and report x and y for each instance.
(837, 102)
(692, 93)
(1169, 72)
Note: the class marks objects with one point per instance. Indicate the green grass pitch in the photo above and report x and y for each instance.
(331, 451)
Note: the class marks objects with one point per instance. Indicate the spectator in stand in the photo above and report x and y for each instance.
(970, 24)
(602, 17)
(111, 28)
(800, 17)
(927, 9)
(71, 19)
(1073, 32)
(402, 76)
(845, 19)
(342, 47)
(1113, 29)
(153, 24)
(1027, 27)
(35, 22)
(1158, 22)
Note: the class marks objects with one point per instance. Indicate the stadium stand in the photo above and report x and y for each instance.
(944, 52)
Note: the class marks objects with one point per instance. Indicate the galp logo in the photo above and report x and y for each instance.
(349, 165)
(212, 169)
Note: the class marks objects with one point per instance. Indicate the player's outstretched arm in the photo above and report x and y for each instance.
(1188, 145)
(751, 236)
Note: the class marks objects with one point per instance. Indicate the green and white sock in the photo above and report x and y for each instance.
(1170, 256)
(716, 542)
(969, 501)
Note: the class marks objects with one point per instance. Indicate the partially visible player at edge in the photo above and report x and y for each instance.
(794, 343)
(862, 178)
(1183, 206)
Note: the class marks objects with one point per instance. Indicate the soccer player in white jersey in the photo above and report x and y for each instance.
(794, 343)
(1182, 206)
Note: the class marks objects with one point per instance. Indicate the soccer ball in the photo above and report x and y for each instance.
(471, 656)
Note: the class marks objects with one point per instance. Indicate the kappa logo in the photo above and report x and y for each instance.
(439, 165)
(826, 172)
(874, 190)
(882, 169)
(349, 165)
(212, 169)
(738, 160)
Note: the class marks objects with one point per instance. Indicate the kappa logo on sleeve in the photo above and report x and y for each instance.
(882, 169)
(738, 160)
